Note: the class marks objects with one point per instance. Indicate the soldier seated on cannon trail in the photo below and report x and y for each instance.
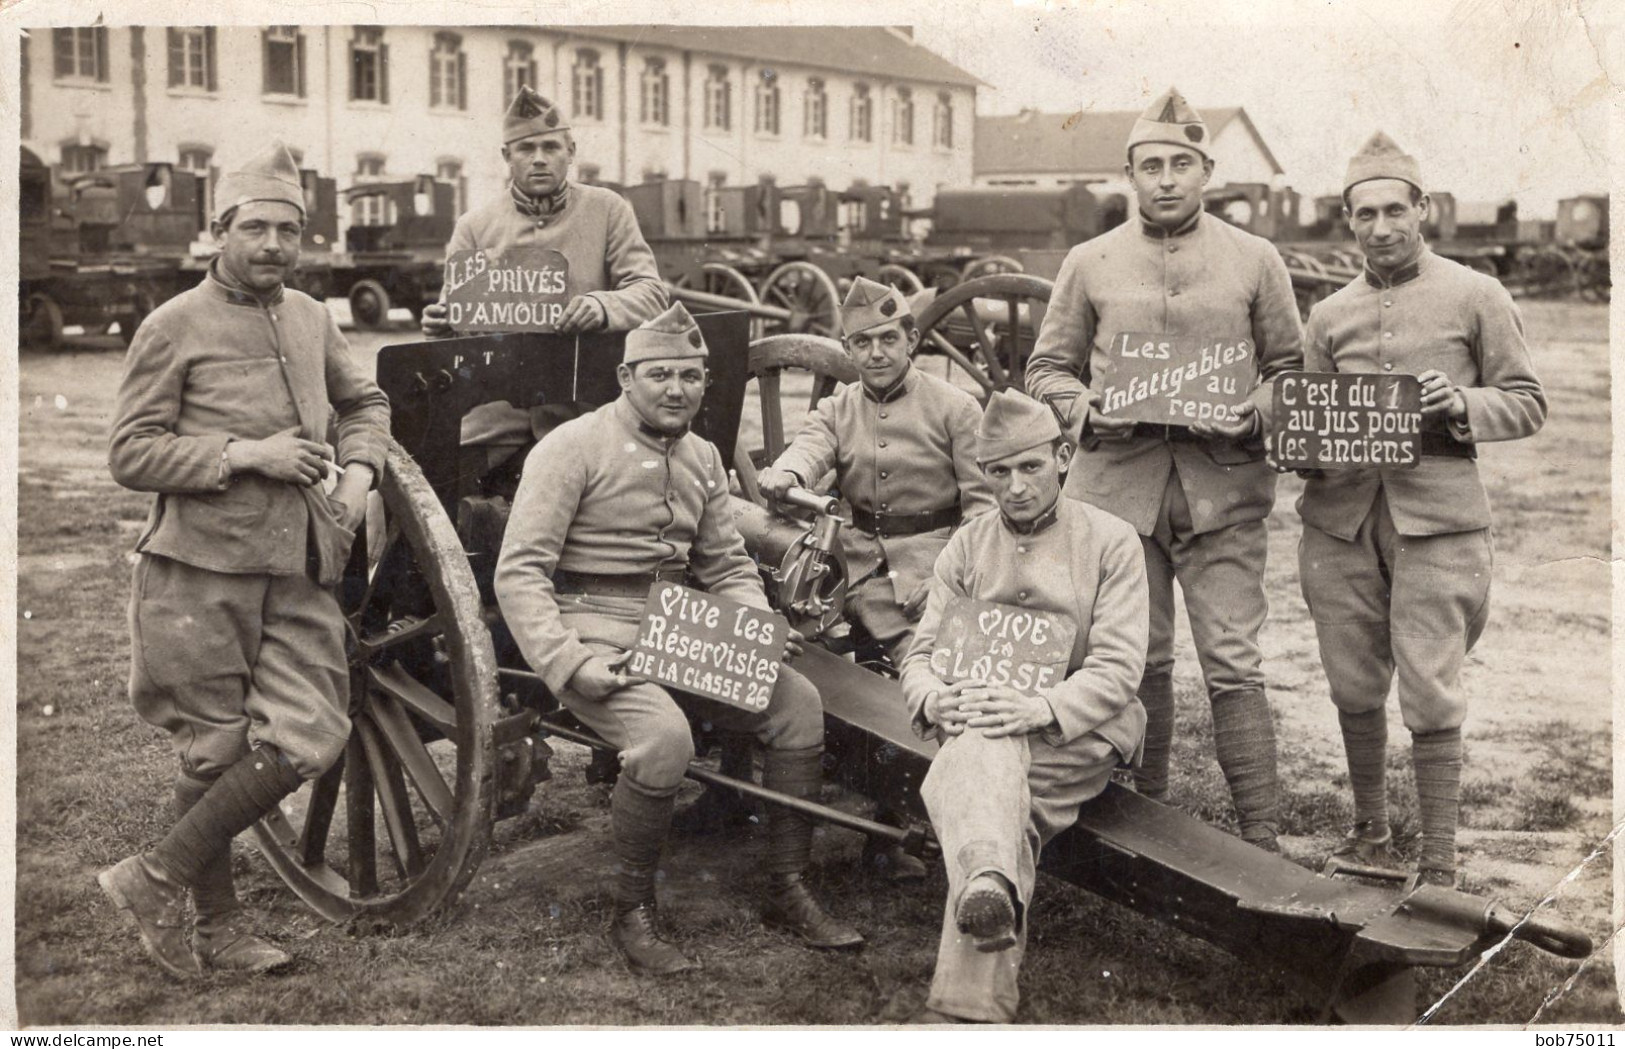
(608, 505)
(1016, 764)
(611, 282)
(902, 445)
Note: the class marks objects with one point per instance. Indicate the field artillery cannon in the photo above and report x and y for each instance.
(451, 728)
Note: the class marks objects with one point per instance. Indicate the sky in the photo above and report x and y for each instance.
(1496, 98)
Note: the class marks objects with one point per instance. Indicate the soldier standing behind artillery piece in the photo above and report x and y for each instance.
(903, 447)
(1015, 767)
(613, 284)
(237, 641)
(1197, 496)
(1395, 564)
(608, 505)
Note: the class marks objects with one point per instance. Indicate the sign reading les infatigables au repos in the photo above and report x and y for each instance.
(1001, 644)
(1332, 421)
(709, 645)
(1174, 380)
(522, 290)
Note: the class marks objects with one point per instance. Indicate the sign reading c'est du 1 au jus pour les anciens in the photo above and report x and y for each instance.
(1339, 421)
(1174, 380)
(520, 290)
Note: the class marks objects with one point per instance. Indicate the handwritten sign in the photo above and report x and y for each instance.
(1174, 380)
(1003, 645)
(710, 645)
(1329, 421)
(522, 290)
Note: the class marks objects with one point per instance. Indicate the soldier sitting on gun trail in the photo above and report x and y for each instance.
(903, 447)
(608, 505)
(612, 283)
(237, 641)
(1015, 766)
(1396, 564)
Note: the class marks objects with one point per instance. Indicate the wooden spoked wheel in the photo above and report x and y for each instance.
(397, 827)
(987, 327)
(809, 294)
(717, 278)
(369, 305)
(791, 371)
(988, 265)
(900, 277)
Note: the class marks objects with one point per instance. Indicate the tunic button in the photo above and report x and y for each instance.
(885, 506)
(1173, 292)
(1387, 302)
(884, 475)
(1173, 248)
(1023, 595)
(882, 444)
(882, 415)
(284, 360)
(1387, 367)
(1387, 334)
(1021, 549)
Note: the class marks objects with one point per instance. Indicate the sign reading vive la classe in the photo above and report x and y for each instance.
(523, 289)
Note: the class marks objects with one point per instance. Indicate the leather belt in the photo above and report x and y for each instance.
(604, 584)
(1433, 443)
(1167, 433)
(886, 525)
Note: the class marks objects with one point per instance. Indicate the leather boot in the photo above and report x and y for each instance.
(224, 938)
(156, 904)
(640, 819)
(790, 905)
(986, 912)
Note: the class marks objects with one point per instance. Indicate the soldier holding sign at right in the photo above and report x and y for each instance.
(1395, 562)
(1185, 288)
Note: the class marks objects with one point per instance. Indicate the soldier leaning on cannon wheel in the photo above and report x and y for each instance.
(903, 447)
(1395, 564)
(1014, 768)
(613, 283)
(608, 505)
(237, 641)
(1197, 496)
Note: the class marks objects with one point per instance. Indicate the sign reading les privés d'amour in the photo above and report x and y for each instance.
(709, 645)
(1003, 645)
(521, 290)
(1174, 380)
(1332, 421)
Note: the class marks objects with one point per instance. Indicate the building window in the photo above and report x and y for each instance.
(718, 98)
(451, 171)
(369, 65)
(23, 84)
(654, 174)
(82, 160)
(716, 215)
(587, 85)
(767, 103)
(815, 110)
(375, 209)
(80, 54)
(863, 115)
(191, 57)
(284, 59)
(448, 73)
(519, 71)
(943, 126)
(902, 117)
(655, 104)
(196, 159)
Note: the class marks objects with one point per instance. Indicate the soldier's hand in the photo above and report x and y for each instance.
(944, 708)
(434, 322)
(915, 605)
(349, 498)
(775, 482)
(1107, 428)
(1247, 421)
(1440, 396)
(599, 678)
(584, 313)
(282, 457)
(999, 710)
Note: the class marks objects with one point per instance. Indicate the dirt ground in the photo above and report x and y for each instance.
(526, 944)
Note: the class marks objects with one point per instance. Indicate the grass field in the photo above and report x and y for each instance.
(526, 943)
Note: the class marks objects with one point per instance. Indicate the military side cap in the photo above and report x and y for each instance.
(1013, 422)
(672, 335)
(270, 174)
(530, 114)
(1170, 119)
(870, 304)
(1381, 157)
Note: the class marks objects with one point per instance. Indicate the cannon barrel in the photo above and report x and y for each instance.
(768, 538)
(693, 297)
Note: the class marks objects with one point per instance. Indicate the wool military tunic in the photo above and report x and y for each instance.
(1434, 314)
(1207, 279)
(610, 262)
(912, 450)
(603, 494)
